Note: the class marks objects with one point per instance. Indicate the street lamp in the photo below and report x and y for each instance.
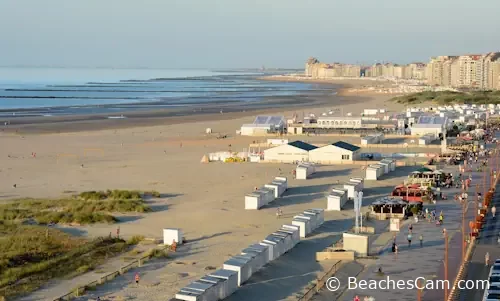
(445, 263)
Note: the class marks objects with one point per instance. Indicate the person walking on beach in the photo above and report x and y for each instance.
(421, 238)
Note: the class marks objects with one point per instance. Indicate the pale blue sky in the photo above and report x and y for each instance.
(238, 33)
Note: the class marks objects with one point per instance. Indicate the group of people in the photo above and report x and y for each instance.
(430, 216)
(409, 238)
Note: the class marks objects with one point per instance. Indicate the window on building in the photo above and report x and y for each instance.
(345, 157)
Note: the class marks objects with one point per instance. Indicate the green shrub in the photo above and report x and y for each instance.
(135, 239)
(86, 208)
(157, 253)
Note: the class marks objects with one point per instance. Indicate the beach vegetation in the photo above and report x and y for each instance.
(136, 239)
(32, 255)
(85, 208)
(450, 97)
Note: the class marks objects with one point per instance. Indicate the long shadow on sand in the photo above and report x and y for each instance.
(394, 141)
(128, 218)
(293, 271)
(402, 171)
(208, 237)
(331, 173)
(300, 195)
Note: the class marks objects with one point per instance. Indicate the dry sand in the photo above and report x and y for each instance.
(204, 200)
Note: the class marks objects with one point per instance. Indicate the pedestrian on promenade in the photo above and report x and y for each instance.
(409, 240)
(410, 228)
(493, 210)
(421, 238)
(137, 278)
(356, 298)
(487, 259)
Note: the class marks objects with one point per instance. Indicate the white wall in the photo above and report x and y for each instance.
(330, 153)
(423, 131)
(286, 153)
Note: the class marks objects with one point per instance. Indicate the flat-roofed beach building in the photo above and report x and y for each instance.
(264, 125)
(435, 125)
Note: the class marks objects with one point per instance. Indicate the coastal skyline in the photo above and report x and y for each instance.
(225, 34)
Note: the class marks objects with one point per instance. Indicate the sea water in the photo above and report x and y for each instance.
(57, 88)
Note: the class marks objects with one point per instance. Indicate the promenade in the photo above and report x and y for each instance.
(416, 261)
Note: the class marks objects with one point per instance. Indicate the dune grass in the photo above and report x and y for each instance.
(86, 208)
(450, 97)
(32, 255)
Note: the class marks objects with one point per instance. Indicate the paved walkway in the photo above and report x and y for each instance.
(487, 242)
(415, 261)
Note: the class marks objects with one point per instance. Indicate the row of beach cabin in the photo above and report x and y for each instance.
(309, 221)
(372, 139)
(238, 269)
(338, 197)
(266, 194)
(426, 139)
(304, 170)
(375, 171)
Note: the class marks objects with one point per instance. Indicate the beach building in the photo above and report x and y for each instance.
(340, 122)
(334, 153)
(264, 125)
(296, 151)
(434, 125)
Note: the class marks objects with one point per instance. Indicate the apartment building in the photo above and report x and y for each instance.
(450, 72)
(435, 70)
(316, 69)
(475, 71)
(470, 68)
(492, 71)
(411, 71)
(416, 71)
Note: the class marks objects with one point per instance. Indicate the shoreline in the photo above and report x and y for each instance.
(122, 119)
(145, 118)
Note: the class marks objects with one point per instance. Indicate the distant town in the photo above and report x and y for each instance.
(478, 71)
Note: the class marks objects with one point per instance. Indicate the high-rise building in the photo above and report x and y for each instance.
(471, 69)
(450, 72)
(476, 71)
(492, 71)
(316, 69)
(435, 70)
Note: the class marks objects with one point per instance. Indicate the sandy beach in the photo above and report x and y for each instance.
(163, 154)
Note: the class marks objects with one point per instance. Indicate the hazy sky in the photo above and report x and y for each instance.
(241, 33)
